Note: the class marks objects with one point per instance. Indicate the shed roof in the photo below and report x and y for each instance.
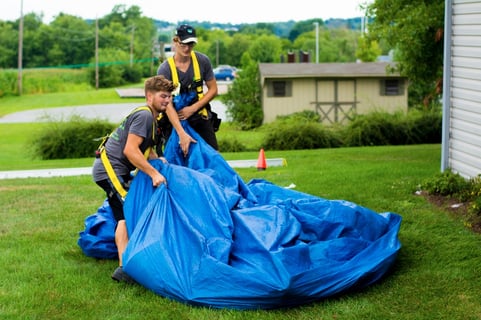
(325, 70)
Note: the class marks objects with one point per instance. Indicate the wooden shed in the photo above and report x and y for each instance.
(335, 91)
(461, 145)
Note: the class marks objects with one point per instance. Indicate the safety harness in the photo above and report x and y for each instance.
(102, 153)
(197, 79)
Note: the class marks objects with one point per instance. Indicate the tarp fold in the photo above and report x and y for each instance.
(210, 239)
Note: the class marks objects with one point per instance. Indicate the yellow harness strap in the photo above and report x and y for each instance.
(111, 173)
(108, 166)
(199, 89)
(175, 78)
(173, 70)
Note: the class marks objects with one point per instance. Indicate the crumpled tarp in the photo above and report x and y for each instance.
(208, 238)
(97, 240)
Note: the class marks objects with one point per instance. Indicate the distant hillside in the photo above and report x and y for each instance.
(351, 23)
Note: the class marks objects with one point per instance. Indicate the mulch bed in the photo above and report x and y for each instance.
(454, 207)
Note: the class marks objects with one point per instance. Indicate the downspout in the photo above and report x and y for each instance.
(448, 11)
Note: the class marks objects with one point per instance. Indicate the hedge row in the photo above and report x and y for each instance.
(78, 138)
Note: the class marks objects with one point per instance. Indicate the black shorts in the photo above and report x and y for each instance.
(204, 127)
(114, 198)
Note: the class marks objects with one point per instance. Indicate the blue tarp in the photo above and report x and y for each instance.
(208, 238)
(98, 238)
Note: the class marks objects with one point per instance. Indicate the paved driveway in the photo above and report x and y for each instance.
(111, 112)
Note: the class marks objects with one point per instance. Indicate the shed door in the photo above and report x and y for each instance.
(336, 100)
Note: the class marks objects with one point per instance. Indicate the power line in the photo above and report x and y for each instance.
(100, 64)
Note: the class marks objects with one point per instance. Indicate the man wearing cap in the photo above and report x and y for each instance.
(191, 102)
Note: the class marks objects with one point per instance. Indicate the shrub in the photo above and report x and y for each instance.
(55, 80)
(451, 185)
(425, 126)
(375, 129)
(295, 136)
(231, 145)
(109, 76)
(382, 128)
(474, 212)
(36, 81)
(8, 83)
(132, 75)
(300, 117)
(77, 138)
(447, 183)
(114, 69)
(475, 195)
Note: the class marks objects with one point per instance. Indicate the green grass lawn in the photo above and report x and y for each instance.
(10, 104)
(45, 275)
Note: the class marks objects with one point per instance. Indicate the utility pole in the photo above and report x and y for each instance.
(132, 47)
(217, 53)
(317, 41)
(20, 50)
(152, 51)
(96, 54)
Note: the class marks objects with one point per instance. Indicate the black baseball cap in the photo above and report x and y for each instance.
(186, 34)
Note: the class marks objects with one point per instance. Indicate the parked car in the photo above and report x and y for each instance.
(225, 72)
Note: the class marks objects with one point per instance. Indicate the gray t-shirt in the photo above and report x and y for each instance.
(186, 79)
(140, 123)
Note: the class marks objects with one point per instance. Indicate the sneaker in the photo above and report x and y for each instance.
(120, 276)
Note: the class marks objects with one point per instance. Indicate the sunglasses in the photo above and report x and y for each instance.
(190, 44)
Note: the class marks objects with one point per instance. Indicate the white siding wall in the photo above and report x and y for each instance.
(463, 135)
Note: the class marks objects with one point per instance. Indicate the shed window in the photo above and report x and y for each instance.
(392, 87)
(279, 89)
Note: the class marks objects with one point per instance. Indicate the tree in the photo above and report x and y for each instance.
(8, 45)
(33, 46)
(334, 45)
(265, 48)
(243, 98)
(132, 32)
(121, 14)
(114, 68)
(367, 50)
(214, 44)
(414, 29)
(240, 44)
(303, 27)
(69, 40)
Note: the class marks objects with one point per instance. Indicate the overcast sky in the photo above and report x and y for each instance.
(223, 11)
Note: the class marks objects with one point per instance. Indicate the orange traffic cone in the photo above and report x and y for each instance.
(261, 161)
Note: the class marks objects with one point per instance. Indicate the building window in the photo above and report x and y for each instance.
(279, 89)
(392, 87)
